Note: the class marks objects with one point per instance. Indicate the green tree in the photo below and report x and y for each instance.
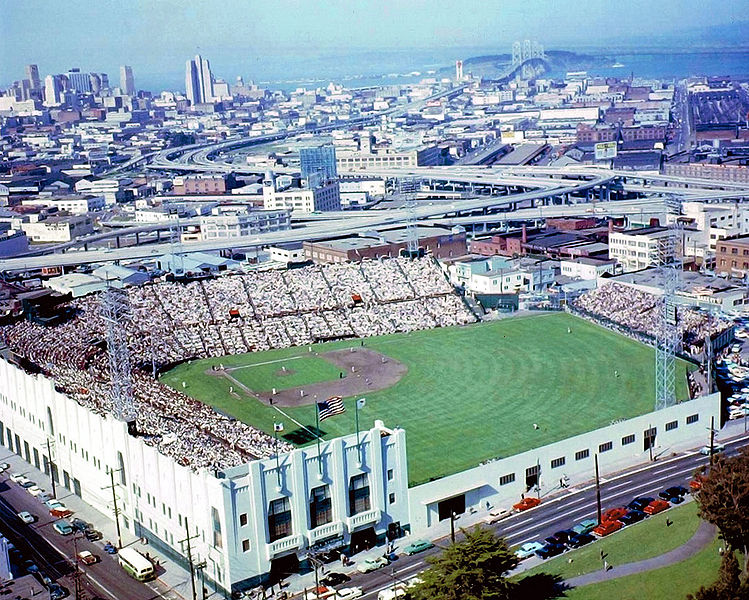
(476, 568)
(728, 585)
(724, 501)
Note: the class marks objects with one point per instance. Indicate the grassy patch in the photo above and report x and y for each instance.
(643, 540)
(262, 376)
(669, 583)
(472, 393)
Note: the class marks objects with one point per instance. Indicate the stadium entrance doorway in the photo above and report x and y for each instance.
(648, 436)
(455, 505)
(363, 539)
(283, 566)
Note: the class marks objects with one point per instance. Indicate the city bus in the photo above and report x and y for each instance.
(137, 565)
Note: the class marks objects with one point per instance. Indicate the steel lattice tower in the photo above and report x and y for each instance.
(116, 313)
(667, 338)
(412, 231)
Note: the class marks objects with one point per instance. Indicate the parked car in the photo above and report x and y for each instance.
(34, 490)
(57, 592)
(109, 548)
(62, 527)
(60, 513)
(656, 506)
(676, 499)
(87, 558)
(607, 527)
(335, 578)
(640, 503)
(372, 564)
(550, 550)
(613, 514)
(528, 549)
(44, 497)
(16, 477)
(717, 449)
(585, 526)
(673, 492)
(92, 535)
(349, 592)
(497, 515)
(633, 516)
(418, 546)
(26, 517)
(26, 483)
(79, 524)
(561, 537)
(526, 503)
(581, 539)
(329, 556)
(4, 467)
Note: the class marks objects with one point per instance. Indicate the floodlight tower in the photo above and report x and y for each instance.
(116, 313)
(667, 338)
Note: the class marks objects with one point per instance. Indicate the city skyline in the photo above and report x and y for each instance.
(270, 44)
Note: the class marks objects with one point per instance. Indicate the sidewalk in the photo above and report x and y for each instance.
(703, 536)
(175, 581)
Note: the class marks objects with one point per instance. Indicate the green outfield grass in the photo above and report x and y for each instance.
(470, 393)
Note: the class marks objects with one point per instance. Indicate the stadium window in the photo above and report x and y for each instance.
(242, 519)
(390, 474)
(692, 419)
(628, 439)
(505, 479)
(358, 494)
(672, 425)
(279, 519)
(605, 447)
(320, 507)
(582, 454)
(391, 498)
(245, 545)
(557, 462)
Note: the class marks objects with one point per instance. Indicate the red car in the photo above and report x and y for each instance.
(60, 514)
(526, 503)
(655, 507)
(607, 527)
(613, 514)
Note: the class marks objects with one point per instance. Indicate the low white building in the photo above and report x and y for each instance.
(500, 275)
(243, 223)
(302, 200)
(75, 205)
(76, 284)
(587, 268)
(58, 229)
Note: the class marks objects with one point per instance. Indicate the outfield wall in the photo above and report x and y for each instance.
(502, 482)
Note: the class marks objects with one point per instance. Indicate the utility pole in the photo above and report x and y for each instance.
(598, 492)
(51, 469)
(77, 573)
(187, 539)
(452, 526)
(712, 440)
(114, 504)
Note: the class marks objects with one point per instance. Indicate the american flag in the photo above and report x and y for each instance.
(332, 406)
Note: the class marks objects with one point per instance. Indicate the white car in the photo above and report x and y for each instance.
(4, 467)
(717, 448)
(349, 592)
(497, 515)
(16, 477)
(35, 490)
(372, 564)
(26, 517)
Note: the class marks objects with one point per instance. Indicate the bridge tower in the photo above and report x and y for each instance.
(115, 309)
(517, 54)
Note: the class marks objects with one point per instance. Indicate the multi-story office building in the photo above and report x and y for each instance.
(52, 90)
(297, 199)
(32, 74)
(198, 81)
(318, 160)
(637, 249)
(127, 82)
(732, 256)
(79, 82)
(221, 226)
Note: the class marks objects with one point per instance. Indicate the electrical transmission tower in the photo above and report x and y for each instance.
(667, 338)
(116, 313)
(407, 188)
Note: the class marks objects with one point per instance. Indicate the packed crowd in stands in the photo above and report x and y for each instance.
(637, 313)
(236, 313)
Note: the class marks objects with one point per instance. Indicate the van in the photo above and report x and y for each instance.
(63, 527)
(392, 593)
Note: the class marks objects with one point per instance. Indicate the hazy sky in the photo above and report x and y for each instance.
(156, 37)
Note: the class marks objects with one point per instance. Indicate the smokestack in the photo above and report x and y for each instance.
(525, 233)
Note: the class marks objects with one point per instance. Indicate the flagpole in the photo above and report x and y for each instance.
(278, 458)
(358, 443)
(317, 433)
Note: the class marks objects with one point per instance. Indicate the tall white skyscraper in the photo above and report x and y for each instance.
(127, 83)
(52, 90)
(198, 80)
(32, 74)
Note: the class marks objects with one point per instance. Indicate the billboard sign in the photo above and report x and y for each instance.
(605, 150)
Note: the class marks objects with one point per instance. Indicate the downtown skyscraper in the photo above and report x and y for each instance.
(198, 80)
(127, 83)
